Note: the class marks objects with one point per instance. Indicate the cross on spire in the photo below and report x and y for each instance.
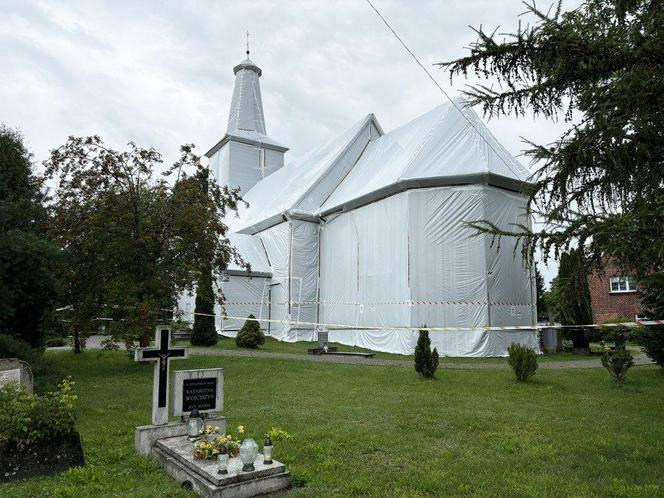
(248, 34)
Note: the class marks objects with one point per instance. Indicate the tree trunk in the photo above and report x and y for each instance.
(144, 341)
(77, 339)
(579, 342)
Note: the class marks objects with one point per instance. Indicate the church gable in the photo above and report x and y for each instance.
(302, 187)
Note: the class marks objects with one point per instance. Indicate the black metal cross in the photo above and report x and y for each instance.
(162, 355)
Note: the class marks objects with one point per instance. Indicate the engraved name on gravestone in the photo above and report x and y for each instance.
(13, 370)
(202, 388)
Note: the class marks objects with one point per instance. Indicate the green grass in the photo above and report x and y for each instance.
(275, 346)
(374, 431)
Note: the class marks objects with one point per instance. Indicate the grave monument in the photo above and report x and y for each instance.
(202, 391)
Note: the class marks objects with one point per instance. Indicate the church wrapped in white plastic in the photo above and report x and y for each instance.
(365, 236)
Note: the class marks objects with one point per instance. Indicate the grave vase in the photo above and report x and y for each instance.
(248, 454)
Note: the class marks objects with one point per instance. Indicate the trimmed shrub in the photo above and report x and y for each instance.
(617, 362)
(250, 335)
(523, 361)
(426, 361)
(651, 340)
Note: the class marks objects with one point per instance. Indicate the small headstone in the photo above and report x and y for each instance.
(13, 370)
(202, 388)
(322, 336)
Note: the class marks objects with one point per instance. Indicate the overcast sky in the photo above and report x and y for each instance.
(160, 73)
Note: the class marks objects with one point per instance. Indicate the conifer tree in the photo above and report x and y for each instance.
(426, 361)
(204, 332)
(600, 185)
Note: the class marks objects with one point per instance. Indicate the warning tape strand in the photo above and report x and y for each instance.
(391, 303)
(533, 328)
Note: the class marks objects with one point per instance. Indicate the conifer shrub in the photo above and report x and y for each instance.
(250, 335)
(426, 361)
(617, 362)
(523, 361)
(204, 332)
(651, 340)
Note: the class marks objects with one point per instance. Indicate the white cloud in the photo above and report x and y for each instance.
(160, 73)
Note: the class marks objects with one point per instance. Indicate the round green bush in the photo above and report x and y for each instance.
(250, 335)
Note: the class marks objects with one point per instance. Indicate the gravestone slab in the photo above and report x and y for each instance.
(13, 370)
(176, 457)
(202, 388)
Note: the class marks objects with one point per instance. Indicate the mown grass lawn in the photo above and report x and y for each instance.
(275, 346)
(375, 431)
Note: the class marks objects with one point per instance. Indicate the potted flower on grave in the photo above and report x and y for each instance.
(213, 443)
(275, 434)
(34, 429)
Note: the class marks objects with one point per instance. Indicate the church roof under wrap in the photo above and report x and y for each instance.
(300, 188)
(441, 147)
(438, 148)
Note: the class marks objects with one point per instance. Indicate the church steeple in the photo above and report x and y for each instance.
(245, 155)
(246, 112)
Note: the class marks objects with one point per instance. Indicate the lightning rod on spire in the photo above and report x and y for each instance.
(248, 43)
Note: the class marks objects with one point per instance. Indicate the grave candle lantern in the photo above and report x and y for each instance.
(195, 423)
(267, 451)
(222, 461)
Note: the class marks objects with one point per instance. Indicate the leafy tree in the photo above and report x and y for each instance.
(133, 242)
(250, 335)
(426, 361)
(28, 282)
(600, 186)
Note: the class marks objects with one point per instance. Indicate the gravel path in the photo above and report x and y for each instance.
(94, 342)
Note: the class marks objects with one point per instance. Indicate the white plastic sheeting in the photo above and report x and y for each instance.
(424, 268)
(244, 296)
(245, 293)
(317, 174)
(246, 112)
(368, 231)
(252, 251)
(439, 144)
(276, 241)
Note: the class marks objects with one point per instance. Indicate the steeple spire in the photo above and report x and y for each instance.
(247, 105)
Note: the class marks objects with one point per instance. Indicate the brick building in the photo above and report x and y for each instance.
(614, 295)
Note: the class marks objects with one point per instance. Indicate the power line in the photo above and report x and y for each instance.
(481, 135)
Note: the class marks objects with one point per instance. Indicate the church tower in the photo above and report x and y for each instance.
(245, 155)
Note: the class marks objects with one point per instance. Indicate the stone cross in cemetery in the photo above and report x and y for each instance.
(161, 354)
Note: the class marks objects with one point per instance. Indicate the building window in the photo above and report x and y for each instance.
(623, 284)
